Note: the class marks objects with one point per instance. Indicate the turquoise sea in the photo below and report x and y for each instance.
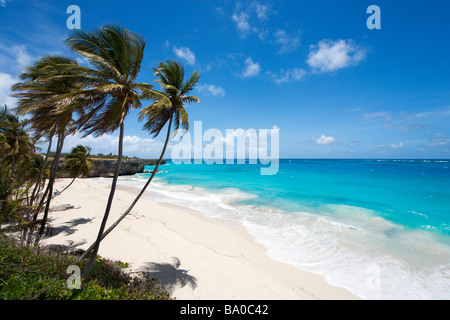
(380, 228)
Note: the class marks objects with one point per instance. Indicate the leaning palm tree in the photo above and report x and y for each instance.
(35, 170)
(167, 108)
(18, 144)
(116, 55)
(77, 163)
(49, 93)
(16, 154)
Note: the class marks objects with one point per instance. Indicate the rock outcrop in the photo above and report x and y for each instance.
(106, 167)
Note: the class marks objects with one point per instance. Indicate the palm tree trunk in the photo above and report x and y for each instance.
(38, 182)
(41, 185)
(111, 228)
(68, 185)
(108, 206)
(54, 169)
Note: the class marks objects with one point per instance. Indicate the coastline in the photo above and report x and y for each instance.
(196, 257)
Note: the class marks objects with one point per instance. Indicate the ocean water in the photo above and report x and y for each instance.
(380, 228)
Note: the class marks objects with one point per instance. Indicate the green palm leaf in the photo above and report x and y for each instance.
(169, 103)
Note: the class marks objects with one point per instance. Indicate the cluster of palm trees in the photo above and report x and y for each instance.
(19, 169)
(24, 173)
(61, 97)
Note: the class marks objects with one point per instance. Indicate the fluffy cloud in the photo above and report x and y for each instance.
(329, 55)
(186, 54)
(23, 58)
(241, 20)
(13, 58)
(211, 89)
(252, 69)
(6, 81)
(250, 18)
(262, 10)
(325, 140)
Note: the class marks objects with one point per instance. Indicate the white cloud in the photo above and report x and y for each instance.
(211, 89)
(285, 76)
(185, 53)
(241, 20)
(22, 57)
(6, 81)
(250, 18)
(262, 11)
(3, 3)
(252, 69)
(287, 42)
(330, 55)
(132, 145)
(13, 58)
(397, 146)
(325, 140)
(263, 34)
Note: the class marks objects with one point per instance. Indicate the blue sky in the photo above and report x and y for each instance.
(333, 87)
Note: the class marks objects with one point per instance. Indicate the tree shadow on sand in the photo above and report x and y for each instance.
(69, 246)
(169, 275)
(69, 227)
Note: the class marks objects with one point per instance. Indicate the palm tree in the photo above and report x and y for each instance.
(17, 151)
(116, 55)
(50, 93)
(77, 163)
(18, 143)
(34, 172)
(168, 107)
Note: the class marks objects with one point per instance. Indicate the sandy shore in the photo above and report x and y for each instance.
(194, 256)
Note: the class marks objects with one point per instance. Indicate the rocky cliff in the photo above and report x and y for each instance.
(105, 167)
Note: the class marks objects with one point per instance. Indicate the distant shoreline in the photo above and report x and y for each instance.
(105, 167)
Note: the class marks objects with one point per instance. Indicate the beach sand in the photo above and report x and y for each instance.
(196, 257)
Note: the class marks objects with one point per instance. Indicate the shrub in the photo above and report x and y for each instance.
(34, 273)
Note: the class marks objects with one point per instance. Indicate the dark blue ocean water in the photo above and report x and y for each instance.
(380, 228)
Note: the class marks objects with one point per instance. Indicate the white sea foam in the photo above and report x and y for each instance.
(351, 246)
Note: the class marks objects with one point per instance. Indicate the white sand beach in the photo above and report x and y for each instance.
(196, 257)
